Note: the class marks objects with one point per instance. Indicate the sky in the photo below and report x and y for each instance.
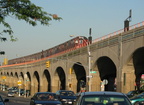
(102, 16)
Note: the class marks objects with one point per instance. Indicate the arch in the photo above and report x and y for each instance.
(107, 70)
(80, 76)
(36, 82)
(138, 62)
(62, 78)
(27, 82)
(47, 80)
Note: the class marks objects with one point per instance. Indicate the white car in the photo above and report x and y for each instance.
(11, 94)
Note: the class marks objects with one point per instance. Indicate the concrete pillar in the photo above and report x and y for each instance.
(128, 77)
(55, 84)
(32, 91)
(74, 83)
(44, 85)
(95, 82)
(15, 81)
(10, 84)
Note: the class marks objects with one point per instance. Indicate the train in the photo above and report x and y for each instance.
(75, 43)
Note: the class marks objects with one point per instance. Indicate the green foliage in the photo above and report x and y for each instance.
(22, 10)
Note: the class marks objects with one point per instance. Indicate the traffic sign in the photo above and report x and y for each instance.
(92, 71)
(89, 76)
(3, 77)
(105, 82)
(19, 82)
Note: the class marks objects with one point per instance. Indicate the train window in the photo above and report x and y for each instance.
(76, 42)
(80, 41)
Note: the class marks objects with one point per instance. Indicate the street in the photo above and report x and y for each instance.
(15, 100)
(17, 103)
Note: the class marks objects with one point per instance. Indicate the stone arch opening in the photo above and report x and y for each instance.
(16, 78)
(12, 79)
(62, 78)
(138, 62)
(7, 79)
(28, 82)
(47, 79)
(107, 70)
(36, 82)
(80, 76)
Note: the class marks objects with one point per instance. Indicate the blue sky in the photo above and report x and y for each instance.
(103, 16)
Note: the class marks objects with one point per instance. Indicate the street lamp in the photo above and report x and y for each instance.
(89, 59)
(25, 75)
(25, 84)
(19, 83)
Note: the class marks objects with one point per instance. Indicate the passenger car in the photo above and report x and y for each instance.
(132, 93)
(44, 98)
(66, 96)
(10, 94)
(137, 98)
(13, 89)
(2, 102)
(140, 103)
(103, 98)
(21, 91)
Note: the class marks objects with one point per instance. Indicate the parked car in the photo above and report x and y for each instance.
(135, 100)
(66, 96)
(10, 94)
(103, 98)
(2, 102)
(27, 92)
(45, 98)
(140, 103)
(132, 93)
(20, 91)
(13, 89)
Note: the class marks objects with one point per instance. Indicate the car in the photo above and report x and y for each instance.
(132, 93)
(27, 93)
(10, 94)
(66, 96)
(45, 98)
(103, 98)
(2, 102)
(15, 90)
(21, 92)
(137, 98)
(140, 103)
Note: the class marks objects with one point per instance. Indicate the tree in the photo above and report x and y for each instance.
(22, 10)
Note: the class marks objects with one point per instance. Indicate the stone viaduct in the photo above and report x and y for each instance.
(117, 58)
